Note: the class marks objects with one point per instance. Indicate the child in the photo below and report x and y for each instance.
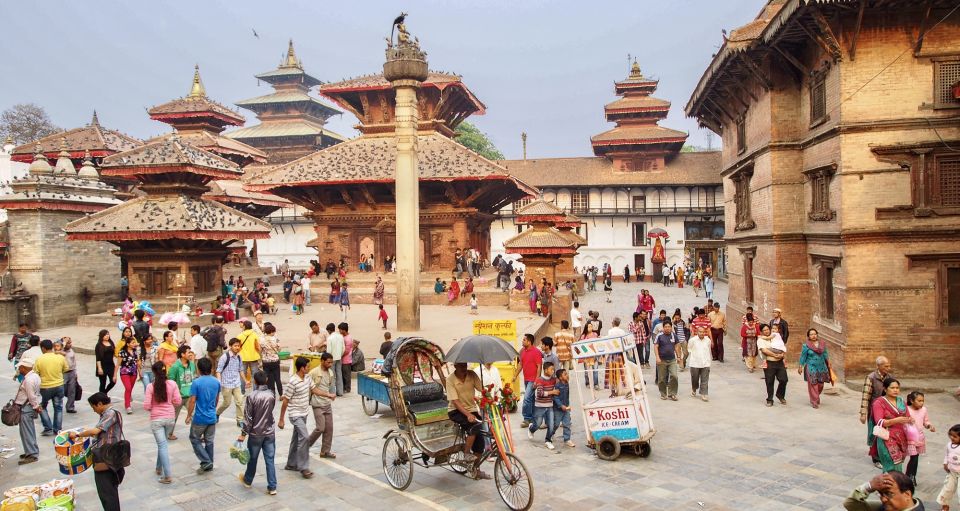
(382, 316)
(474, 307)
(271, 304)
(344, 300)
(916, 440)
(544, 388)
(951, 465)
(561, 405)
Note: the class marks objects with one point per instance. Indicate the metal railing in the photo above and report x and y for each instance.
(626, 210)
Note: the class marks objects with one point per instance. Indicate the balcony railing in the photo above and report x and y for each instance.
(647, 211)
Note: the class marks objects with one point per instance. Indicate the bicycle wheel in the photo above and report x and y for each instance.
(397, 463)
(457, 463)
(513, 482)
(369, 405)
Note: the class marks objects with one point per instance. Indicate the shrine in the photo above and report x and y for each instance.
(171, 241)
(542, 247)
(292, 122)
(349, 187)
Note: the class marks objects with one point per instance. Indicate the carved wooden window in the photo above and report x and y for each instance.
(820, 193)
(818, 96)
(950, 294)
(639, 234)
(579, 201)
(826, 269)
(946, 189)
(741, 134)
(741, 199)
(639, 203)
(946, 74)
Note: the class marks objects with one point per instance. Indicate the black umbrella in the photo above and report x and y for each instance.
(481, 349)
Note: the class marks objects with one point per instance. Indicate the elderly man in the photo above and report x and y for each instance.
(896, 494)
(872, 389)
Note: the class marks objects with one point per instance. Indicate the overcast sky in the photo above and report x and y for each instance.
(544, 67)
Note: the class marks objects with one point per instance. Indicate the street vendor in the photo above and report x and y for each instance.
(462, 388)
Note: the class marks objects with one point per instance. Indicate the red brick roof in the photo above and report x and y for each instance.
(98, 140)
(698, 168)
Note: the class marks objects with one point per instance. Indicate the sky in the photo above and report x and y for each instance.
(543, 67)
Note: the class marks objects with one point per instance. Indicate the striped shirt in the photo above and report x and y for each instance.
(297, 393)
(543, 387)
(561, 344)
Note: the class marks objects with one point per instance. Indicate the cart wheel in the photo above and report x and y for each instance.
(608, 448)
(513, 482)
(457, 463)
(369, 405)
(397, 462)
(643, 450)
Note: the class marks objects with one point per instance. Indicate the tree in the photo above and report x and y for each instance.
(26, 122)
(477, 141)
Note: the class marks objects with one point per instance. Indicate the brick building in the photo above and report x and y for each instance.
(840, 122)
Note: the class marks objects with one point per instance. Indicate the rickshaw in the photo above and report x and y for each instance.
(426, 437)
(617, 416)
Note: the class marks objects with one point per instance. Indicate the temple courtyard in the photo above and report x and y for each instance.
(731, 453)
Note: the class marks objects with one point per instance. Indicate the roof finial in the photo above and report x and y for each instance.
(635, 70)
(196, 89)
(88, 171)
(40, 164)
(291, 58)
(95, 121)
(64, 164)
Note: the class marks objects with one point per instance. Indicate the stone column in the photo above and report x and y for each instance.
(405, 68)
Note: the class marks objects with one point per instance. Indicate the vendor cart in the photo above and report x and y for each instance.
(617, 416)
(374, 390)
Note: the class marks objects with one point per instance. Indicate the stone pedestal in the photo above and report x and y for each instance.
(408, 214)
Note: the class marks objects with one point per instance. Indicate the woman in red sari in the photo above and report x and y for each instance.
(453, 292)
(890, 412)
(546, 293)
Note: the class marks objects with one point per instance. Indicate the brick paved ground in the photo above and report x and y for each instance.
(730, 453)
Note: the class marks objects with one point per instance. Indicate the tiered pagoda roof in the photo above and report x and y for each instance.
(93, 137)
(637, 114)
(231, 193)
(551, 230)
(59, 189)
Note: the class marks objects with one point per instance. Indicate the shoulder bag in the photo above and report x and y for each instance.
(116, 455)
(359, 363)
(10, 416)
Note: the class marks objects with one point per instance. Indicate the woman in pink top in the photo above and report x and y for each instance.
(159, 399)
(916, 440)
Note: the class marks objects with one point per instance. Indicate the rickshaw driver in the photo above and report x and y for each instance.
(462, 388)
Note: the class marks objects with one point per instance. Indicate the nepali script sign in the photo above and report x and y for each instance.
(505, 329)
(602, 346)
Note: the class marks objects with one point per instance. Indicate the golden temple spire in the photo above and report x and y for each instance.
(635, 70)
(196, 89)
(291, 59)
(95, 121)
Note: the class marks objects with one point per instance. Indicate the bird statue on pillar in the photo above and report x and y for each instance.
(398, 25)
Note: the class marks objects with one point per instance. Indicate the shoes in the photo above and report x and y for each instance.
(306, 474)
(673, 398)
(272, 492)
(71, 411)
(129, 411)
(165, 480)
(530, 434)
(328, 455)
(783, 401)
(47, 432)
(569, 443)
(769, 402)
(525, 424)
(596, 387)
(693, 394)
(663, 397)
(704, 398)
(157, 471)
(878, 465)
(292, 469)
(549, 445)
(243, 481)
(544, 425)
(26, 460)
(205, 467)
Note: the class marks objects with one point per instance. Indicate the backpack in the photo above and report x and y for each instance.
(213, 338)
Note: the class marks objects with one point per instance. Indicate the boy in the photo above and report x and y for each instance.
(561, 405)
(474, 307)
(549, 356)
(545, 390)
(382, 316)
(228, 371)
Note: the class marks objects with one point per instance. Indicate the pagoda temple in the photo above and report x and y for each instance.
(199, 121)
(349, 187)
(542, 247)
(38, 207)
(291, 121)
(172, 240)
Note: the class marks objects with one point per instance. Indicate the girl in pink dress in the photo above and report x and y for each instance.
(916, 440)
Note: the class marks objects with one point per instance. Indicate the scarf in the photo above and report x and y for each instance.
(167, 346)
(817, 347)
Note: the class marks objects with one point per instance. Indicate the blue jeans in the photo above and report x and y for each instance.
(586, 375)
(562, 418)
(28, 430)
(161, 429)
(147, 378)
(46, 395)
(306, 296)
(527, 407)
(201, 437)
(269, 446)
(541, 414)
(644, 350)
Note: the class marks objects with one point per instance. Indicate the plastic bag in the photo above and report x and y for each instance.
(240, 452)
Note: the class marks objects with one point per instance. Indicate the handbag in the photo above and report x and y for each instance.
(10, 415)
(359, 364)
(79, 393)
(115, 455)
(881, 432)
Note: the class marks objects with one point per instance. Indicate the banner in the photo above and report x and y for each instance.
(505, 329)
(602, 346)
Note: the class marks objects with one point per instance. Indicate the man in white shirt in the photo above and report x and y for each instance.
(698, 360)
(615, 330)
(305, 283)
(335, 347)
(576, 320)
(197, 343)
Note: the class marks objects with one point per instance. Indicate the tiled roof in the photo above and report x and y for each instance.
(294, 96)
(637, 102)
(291, 128)
(231, 190)
(539, 238)
(196, 105)
(649, 134)
(168, 217)
(699, 168)
(217, 144)
(283, 73)
(91, 137)
(377, 81)
(166, 152)
(60, 192)
(540, 207)
(373, 159)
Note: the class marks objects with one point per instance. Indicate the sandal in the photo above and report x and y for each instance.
(306, 474)
(172, 437)
(165, 480)
(329, 455)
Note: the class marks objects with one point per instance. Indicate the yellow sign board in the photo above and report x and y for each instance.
(505, 329)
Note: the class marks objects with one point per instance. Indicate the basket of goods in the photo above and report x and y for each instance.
(74, 456)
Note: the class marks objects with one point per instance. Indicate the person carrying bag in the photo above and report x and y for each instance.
(111, 452)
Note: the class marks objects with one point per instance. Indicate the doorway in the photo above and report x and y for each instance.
(639, 261)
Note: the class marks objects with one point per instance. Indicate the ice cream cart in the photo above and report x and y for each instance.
(617, 416)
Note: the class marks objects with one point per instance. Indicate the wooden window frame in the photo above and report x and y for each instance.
(940, 263)
(819, 179)
(642, 241)
(749, 254)
(943, 293)
(584, 196)
(936, 185)
(826, 288)
(742, 202)
(818, 96)
(938, 81)
(642, 199)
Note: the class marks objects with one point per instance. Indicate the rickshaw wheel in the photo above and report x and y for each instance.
(397, 462)
(457, 463)
(369, 405)
(608, 448)
(643, 450)
(513, 483)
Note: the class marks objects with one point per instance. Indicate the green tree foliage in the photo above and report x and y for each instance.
(477, 141)
(25, 122)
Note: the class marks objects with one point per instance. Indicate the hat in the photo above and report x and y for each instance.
(778, 310)
(26, 362)
(258, 313)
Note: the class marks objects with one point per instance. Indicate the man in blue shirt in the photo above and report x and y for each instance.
(666, 353)
(202, 414)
